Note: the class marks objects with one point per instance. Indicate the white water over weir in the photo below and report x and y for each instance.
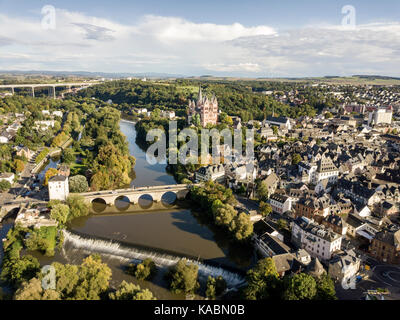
(109, 247)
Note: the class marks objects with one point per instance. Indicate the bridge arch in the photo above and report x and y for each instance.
(122, 203)
(98, 204)
(169, 198)
(145, 201)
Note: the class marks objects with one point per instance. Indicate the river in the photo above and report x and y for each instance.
(164, 235)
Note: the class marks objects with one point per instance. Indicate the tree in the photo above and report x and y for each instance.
(275, 130)
(265, 209)
(262, 191)
(263, 281)
(78, 184)
(33, 290)
(182, 277)
(5, 185)
(296, 158)
(282, 224)
(325, 288)
(60, 212)
(18, 270)
(94, 277)
(49, 173)
(130, 291)
(241, 226)
(301, 286)
(328, 115)
(19, 165)
(224, 214)
(78, 206)
(68, 156)
(143, 271)
(215, 287)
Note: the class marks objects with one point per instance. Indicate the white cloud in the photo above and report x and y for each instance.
(177, 29)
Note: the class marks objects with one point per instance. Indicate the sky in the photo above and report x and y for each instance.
(254, 38)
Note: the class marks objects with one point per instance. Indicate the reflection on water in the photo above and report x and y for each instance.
(146, 174)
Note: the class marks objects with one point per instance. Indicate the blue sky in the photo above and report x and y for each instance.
(239, 38)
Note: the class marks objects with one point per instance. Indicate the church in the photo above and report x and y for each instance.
(206, 108)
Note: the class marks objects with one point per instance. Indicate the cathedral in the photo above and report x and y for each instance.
(207, 109)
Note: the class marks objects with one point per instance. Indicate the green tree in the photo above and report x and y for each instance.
(182, 278)
(300, 287)
(33, 290)
(94, 279)
(325, 288)
(263, 281)
(60, 212)
(265, 209)
(19, 166)
(241, 226)
(51, 172)
(68, 156)
(78, 206)
(78, 184)
(328, 115)
(215, 287)
(282, 224)
(143, 271)
(5, 185)
(296, 158)
(17, 270)
(130, 291)
(262, 191)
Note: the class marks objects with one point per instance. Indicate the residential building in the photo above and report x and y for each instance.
(385, 246)
(280, 122)
(58, 188)
(316, 239)
(280, 203)
(380, 116)
(211, 172)
(344, 265)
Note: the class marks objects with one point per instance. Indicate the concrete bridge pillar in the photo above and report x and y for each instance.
(12, 90)
(52, 91)
(33, 91)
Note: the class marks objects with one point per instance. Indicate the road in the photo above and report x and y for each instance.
(380, 276)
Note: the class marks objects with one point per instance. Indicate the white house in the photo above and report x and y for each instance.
(280, 203)
(45, 124)
(58, 188)
(168, 114)
(325, 170)
(344, 265)
(57, 113)
(316, 239)
(211, 172)
(280, 122)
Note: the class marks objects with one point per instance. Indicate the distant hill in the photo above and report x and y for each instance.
(91, 74)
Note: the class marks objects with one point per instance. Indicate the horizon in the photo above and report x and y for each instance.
(255, 39)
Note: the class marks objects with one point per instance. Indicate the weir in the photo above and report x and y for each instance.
(233, 280)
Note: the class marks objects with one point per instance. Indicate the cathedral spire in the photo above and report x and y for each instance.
(200, 94)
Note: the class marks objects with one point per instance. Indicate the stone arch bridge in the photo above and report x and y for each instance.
(133, 194)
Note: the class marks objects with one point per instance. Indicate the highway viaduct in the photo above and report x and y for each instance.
(51, 86)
